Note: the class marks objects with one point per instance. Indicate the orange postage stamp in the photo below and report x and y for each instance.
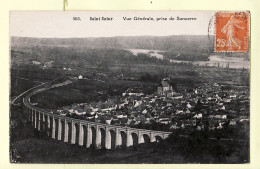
(232, 31)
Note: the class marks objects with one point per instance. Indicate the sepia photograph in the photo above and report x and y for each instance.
(129, 87)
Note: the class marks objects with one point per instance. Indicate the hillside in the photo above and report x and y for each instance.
(165, 43)
(77, 57)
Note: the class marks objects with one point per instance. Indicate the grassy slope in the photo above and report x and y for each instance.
(86, 91)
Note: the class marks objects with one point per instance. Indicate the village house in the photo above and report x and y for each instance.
(198, 116)
(80, 77)
(48, 64)
(36, 63)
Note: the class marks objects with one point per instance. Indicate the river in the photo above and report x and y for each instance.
(214, 60)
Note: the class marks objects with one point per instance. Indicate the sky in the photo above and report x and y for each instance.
(60, 24)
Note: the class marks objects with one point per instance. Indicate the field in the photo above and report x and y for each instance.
(87, 91)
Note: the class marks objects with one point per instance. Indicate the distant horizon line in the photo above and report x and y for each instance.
(106, 36)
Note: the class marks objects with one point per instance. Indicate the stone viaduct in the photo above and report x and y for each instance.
(85, 133)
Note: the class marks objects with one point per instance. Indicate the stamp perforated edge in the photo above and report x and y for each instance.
(249, 32)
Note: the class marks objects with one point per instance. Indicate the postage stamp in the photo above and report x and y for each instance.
(232, 31)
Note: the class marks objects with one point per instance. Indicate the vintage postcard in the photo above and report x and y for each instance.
(130, 87)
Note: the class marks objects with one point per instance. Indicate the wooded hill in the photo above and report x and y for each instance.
(165, 43)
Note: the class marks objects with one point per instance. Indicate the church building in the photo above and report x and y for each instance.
(165, 88)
